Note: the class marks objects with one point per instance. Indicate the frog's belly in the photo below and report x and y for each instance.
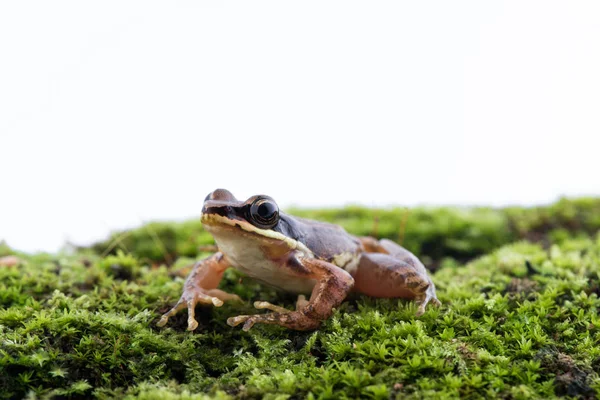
(246, 256)
(278, 278)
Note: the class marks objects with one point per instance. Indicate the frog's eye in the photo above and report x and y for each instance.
(264, 213)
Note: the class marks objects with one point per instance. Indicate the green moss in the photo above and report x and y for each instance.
(4, 249)
(121, 265)
(158, 241)
(518, 321)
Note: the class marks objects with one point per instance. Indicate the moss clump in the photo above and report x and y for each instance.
(121, 265)
(158, 241)
(520, 321)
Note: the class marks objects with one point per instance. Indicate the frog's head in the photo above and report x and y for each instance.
(237, 226)
(257, 214)
(256, 220)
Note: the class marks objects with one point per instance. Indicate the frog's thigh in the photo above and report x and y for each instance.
(386, 246)
(372, 245)
(333, 285)
(382, 275)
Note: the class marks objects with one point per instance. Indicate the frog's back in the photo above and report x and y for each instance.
(327, 241)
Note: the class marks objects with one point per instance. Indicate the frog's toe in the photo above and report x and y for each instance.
(420, 310)
(422, 303)
(162, 321)
(261, 305)
(235, 321)
(165, 317)
(248, 324)
(248, 320)
(224, 296)
(192, 324)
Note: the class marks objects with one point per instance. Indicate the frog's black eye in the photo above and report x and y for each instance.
(264, 213)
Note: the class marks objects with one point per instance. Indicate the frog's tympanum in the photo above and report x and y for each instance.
(299, 256)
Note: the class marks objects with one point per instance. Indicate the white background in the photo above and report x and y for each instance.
(113, 113)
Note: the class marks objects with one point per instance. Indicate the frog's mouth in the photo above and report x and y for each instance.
(216, 221)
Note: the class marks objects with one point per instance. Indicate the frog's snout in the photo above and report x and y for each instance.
(211, 207)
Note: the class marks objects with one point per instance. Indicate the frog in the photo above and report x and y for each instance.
(297, 255)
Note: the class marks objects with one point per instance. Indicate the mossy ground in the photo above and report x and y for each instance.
(519, 319)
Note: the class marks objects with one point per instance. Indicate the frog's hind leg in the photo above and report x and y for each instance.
(390, 276)
(332, 287)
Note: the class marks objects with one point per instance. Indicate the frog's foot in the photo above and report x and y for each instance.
(290, 319)
(250, 320)
(190, 298)
(200, 288)
(423, 300)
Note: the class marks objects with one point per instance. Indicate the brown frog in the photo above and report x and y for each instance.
(299, 256)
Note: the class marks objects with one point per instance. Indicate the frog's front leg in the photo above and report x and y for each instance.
(333, 285)
(201, 287)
